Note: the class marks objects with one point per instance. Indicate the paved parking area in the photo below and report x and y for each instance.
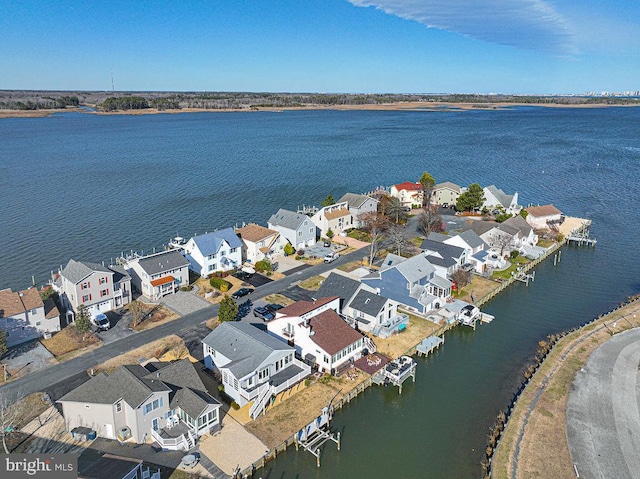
(184, 302)
(603, 419)
(28, 357)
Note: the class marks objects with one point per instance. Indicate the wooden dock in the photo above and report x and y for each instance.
(428, 345)
(581, 239)
(397, 372)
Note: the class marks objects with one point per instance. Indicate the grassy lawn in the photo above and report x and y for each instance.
(545, 243)
(360, 235)
(279, 299)
(347, 268)
(155, 315)
(479, 286)
(398, 344)
(169, 348)
(289, 416)
(506, 273)
(312, 284)
(69, 342)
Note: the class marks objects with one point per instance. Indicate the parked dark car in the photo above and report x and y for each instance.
(242, 292)
(264, 313)
(273, 307)
(243, 275)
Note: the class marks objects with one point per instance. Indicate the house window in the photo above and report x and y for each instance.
(102, 280)
(223, 253)
(104, 292)
(263, 374)
(86, 285)
(33, 311)
(310, 230)
(299, 233)
(225, 377)
(119, 406)
(235, 384)
(37, 323)
(212, 416)
(86, 297)
(233, 250)
(151, 406)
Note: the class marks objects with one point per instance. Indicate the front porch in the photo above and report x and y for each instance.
(163, 286)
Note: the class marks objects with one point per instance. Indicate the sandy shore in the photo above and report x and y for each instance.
(399, 106)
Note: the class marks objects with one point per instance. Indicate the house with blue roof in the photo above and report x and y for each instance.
(217, 251)
(413, 282)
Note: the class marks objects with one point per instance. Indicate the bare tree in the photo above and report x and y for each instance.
(461, 278)
(12, 411)
(376, 225)
(397, 239)
(137, 311)
(429, 221)
(504, 241)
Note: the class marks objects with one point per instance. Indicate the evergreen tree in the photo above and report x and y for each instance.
(228, 309)
(82, 319)
(470, 199)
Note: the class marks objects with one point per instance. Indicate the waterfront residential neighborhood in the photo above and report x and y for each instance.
(277, 315)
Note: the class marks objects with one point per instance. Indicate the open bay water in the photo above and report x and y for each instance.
(89, 187)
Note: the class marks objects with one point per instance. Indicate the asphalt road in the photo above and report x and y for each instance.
(603, 420)
(51, 378)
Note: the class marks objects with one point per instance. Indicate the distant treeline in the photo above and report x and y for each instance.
(111, 101)
(114, 103)
(45, 103)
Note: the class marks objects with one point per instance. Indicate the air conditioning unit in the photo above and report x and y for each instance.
(124, 433)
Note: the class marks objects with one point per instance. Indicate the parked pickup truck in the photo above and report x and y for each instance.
(331, 257)
(100, 321)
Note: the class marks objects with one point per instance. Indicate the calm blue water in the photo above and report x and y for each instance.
(90, 187)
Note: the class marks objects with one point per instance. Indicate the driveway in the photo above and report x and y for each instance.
(184, 302)
(603, 422)
(28, 357)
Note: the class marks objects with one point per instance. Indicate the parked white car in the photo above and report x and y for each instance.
(331, 257)
(100, 321)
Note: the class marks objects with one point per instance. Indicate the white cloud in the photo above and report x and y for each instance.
(528, 24)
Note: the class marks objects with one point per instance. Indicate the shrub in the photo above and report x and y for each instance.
(220, 388)
(221, 284)
(235, 405)
(307, 382)
(288, 249)
(186, 288)
(514, 254)
(264, 265)
(330, 233)
(298, 257)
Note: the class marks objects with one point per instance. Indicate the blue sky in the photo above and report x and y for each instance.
(397, 46)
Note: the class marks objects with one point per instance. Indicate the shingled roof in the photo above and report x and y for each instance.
(544, 210)
(331, 332)
(210, 243)
(244, 345)
(254, 233)
(337, 285)
(76, 271)
(288, 219)
(161, 262)
(303, 307)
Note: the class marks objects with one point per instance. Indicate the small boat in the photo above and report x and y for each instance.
(177, 243)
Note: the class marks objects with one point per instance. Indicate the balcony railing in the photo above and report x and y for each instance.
(172, 443)
(287, 334)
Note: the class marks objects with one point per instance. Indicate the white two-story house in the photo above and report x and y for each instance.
(258, 242)
(93, 285)
(164, 402)
(24, 316)
(217, 251)
(296, 228)
(159, 274)
(253, 366)
(336, 218)
(359, 207)
(318, 333)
